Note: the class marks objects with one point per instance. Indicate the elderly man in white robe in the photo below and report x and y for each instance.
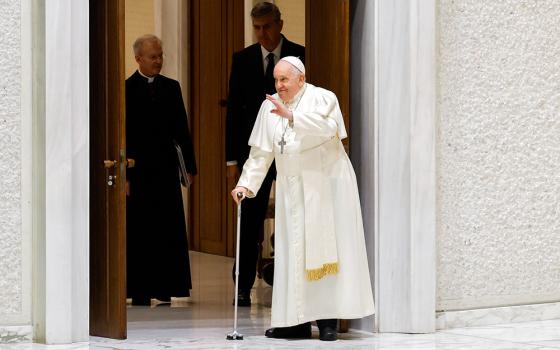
(321, 270)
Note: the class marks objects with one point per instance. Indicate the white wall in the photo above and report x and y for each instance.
(10, 159)
(15, 170)
(498, 153)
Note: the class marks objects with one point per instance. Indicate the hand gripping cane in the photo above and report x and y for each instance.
(235, 335)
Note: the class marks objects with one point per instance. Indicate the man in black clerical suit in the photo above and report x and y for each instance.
(250, 80)
(156, 123)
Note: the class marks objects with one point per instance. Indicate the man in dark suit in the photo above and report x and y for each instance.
(250, 80)
(156, 123)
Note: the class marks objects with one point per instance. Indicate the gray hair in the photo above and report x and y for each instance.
(266, 8)
(138, 43)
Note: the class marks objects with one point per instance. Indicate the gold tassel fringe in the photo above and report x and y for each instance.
(326, 269)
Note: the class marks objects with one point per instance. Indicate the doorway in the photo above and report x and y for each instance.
(211, 215)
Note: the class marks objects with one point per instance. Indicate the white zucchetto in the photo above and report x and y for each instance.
(294, 61)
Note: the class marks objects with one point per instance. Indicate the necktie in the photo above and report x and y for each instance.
(269, 76)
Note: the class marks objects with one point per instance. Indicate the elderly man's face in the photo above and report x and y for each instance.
(288, 80)
(150, 58)
(267, 30)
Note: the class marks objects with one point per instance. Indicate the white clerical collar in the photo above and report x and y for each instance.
(150, 79)
(276, 53)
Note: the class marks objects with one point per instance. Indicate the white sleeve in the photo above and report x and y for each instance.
(323, 120)
(255, 169)
(261, 135)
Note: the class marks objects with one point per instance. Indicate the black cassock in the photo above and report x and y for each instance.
(157, 248)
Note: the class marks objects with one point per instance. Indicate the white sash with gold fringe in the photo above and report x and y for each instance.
(321, 256)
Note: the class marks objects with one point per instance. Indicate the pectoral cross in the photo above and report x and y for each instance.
(282, 143)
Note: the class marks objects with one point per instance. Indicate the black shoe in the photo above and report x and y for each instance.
(243, 298)
(328, 334)
(301, 331)
(327, 329)
(143, 301)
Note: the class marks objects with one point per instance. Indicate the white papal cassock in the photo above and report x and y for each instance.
(317, 208)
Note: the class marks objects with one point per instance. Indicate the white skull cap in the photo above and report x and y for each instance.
(294, 61)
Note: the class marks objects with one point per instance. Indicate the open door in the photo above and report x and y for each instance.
(327, 49)
(327, 56)
(107, 170)
(216, 32)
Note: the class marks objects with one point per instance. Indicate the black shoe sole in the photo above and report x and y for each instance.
(328, 337)
(295, 332)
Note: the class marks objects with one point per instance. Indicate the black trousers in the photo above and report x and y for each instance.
(253, 212)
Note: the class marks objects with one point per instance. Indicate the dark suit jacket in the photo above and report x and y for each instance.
(246, 94)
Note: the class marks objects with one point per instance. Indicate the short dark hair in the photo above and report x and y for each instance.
(266, 8)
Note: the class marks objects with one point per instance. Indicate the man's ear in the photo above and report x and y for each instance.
(281, 24)
(137, 58)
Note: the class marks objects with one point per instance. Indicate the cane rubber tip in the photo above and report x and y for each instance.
(234, 337)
